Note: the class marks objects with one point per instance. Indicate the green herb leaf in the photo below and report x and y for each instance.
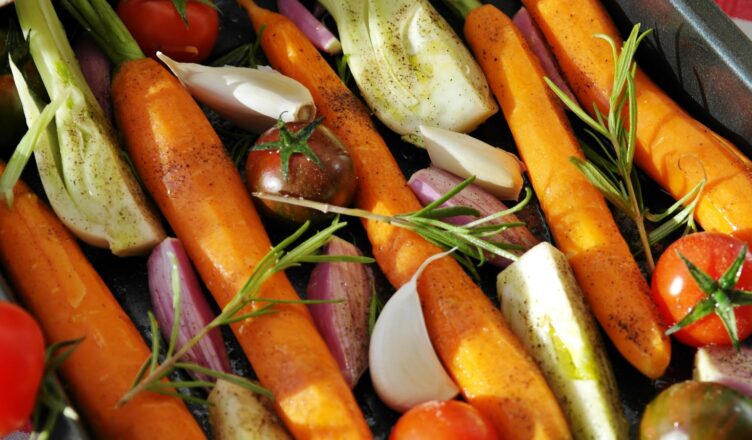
(721, 296)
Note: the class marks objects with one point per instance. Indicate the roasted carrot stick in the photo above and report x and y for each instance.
(494, 372)
(61, 288)
(185, 167)
(577, 214)
(674, 149)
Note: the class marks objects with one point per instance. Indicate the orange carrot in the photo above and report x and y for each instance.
(674, 149)
(489, 364)
(64, 292)
(185, 167)
(577, 214)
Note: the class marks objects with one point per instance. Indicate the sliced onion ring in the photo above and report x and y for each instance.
(196, 312)
(343, 325)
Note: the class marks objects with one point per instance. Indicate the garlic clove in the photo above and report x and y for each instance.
(495, 170)
(405, 369)
(252, 99)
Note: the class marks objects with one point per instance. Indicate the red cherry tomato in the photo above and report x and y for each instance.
(156, 25)
(21, 366)
(447, 420)
(676, 292)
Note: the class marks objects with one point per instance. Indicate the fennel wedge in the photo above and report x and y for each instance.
(87, 181)
(410, 66)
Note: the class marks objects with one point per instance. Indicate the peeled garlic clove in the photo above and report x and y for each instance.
(252, 99)
(405, 369)
(495, 170)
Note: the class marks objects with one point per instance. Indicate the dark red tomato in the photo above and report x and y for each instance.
(156, 25)
(334, 183)
(676, 292)
(21, 365)
(698, 410)
(446, 420)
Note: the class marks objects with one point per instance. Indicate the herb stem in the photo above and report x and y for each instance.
(640, 223)
(165, 367)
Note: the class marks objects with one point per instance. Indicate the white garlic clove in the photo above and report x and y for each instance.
(405, 369)
(252, 99)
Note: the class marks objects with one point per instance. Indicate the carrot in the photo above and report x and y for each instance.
(183, 164)
(672, 148)
(70, 300)
(577, 214)
(489, 364)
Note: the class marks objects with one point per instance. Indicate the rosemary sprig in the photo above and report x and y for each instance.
(469, 239)
(610, 167)
(277, 260)
(51, 400)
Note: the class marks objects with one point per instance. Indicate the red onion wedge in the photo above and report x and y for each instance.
(540, 48)
(725, 365)
(344, 325)
(209, 352)
(431, 183)
(319, 35)
(96, 69)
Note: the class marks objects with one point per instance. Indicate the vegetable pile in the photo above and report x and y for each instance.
(466, 301)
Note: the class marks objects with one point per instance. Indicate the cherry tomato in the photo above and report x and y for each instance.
(676, 292)
(156, 25)
(448, 420)
(698, 410)
(335, 182)
(21, 365)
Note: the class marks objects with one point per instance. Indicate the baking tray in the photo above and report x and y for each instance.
(695, 53)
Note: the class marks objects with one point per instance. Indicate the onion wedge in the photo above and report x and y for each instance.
(169, 271)
(344, 325)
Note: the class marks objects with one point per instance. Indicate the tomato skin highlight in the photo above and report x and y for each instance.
(698, 410)
(447, 420)
(335, 184)
(156, 25)
(21, 366)
(675, 291)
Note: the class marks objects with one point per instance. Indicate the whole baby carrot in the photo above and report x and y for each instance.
(186, 169)
(581, 223)
(674, 149)
(55, 281)
(490, 365)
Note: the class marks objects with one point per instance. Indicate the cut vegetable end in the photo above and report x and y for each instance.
(404, 367)
(725, 365)
(320, 35)
(544, 306)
